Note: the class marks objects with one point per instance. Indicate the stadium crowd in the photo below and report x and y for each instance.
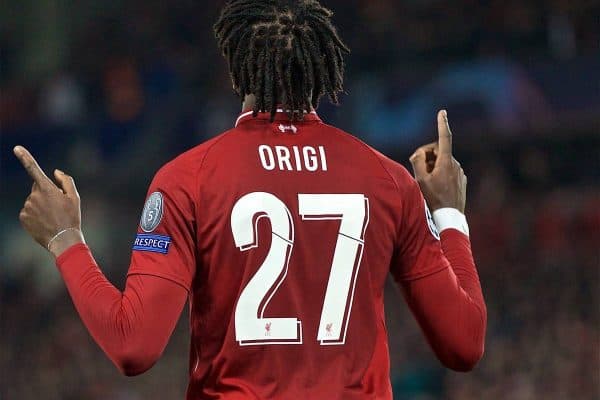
(110, 92)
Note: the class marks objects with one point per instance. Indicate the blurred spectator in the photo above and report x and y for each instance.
(62, 101)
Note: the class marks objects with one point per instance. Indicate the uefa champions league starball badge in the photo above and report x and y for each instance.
(431, 223)
(153, 212)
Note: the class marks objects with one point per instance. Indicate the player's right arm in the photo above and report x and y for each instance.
(132, 327)
(438, 275)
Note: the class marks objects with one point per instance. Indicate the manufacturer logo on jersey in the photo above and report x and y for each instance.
(431, 223)
(153, 212)
(152, 243)
(288, 128)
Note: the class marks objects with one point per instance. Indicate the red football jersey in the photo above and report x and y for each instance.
(284, 233)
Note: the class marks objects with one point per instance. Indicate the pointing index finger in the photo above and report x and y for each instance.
(31, 166)
(445, 134)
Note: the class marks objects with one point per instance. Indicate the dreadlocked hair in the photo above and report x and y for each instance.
(285, 53)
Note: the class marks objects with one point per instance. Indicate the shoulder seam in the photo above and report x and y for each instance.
(218, 140)
(370, 150)
(197, 180)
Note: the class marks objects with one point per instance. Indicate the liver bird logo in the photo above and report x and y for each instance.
(328, 329)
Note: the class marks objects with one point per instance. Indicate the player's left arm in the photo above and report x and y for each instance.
(132, 327)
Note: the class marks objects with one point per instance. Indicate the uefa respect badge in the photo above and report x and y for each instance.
(152, 243)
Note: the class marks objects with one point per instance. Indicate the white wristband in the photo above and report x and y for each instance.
(450, 218)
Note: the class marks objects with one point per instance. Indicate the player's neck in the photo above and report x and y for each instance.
(250, 102)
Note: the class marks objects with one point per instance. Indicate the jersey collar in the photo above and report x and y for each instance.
(279, 116)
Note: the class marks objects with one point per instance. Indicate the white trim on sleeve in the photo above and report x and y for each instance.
(450, 218)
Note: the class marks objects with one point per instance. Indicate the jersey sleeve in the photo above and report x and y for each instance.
(132, 327)
(165, 242)
(418, 250)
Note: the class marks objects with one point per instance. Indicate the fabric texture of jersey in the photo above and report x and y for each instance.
(222, 214)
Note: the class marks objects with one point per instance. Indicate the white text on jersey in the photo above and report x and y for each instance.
(296, 158)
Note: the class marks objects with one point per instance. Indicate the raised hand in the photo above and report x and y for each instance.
(440, 176)
(50, 210)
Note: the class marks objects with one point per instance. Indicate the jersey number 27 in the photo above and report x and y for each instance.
(352, 210)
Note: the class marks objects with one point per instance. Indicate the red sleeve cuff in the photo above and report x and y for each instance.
(70, 253)
(454, 235)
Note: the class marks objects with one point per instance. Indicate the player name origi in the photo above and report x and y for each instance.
(295, 158)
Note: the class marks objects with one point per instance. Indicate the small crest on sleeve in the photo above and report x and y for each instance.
(431, 223)
(153, 212)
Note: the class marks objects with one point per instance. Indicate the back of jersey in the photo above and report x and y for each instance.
(296, 227)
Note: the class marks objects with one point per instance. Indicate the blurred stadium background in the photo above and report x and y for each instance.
(109, 91)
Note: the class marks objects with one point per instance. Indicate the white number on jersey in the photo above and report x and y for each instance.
(251, 327)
